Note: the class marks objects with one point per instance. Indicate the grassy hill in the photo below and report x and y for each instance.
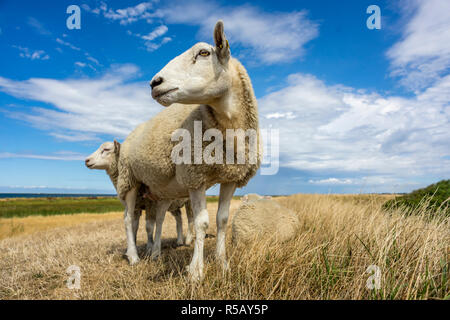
(435, 198)
(339, 240)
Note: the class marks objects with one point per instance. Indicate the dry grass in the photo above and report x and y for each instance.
(339, 237)
(10, 227)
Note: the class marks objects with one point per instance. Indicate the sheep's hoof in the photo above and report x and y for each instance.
(195, 273)
(155, 255)
(179, 243)
(148, 252)
(133, 260)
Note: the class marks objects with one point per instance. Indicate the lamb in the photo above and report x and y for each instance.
(259, 218)
(106, 157)
(205, 86)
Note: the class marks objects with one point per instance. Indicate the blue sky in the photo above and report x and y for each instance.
(357, 110)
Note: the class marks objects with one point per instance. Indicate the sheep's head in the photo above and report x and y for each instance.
(104, 156)
(197, 76)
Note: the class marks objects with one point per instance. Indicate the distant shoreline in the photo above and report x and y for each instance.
(19, 195)
(52, 195)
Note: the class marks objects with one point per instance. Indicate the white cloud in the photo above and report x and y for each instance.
(39, 27)
(344, 130)
(152, 46)
(32, 54)
(376, 183)
(63, 155)
(332, 181)
(89, 9)
(90, 58)
(365, 137)
(67, 44)
(150, 43)
(39, 54)
(85, 108)
(273, 37)
(29, 187)
(270, 37)
(423, 54)
(330, 131)
(126, 15)
(159, 31)
(130, 14)
(86, 54)
(370, 139)
(74, 137)
(278, 115)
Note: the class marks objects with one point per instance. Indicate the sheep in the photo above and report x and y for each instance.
(259, 218)
(106, 157)
(203, 85)
(254, 196)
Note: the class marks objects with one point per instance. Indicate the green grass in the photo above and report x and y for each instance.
(434, 198)
(55, 206)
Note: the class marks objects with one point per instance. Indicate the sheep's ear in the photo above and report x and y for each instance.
(222, 46)
(116, 147)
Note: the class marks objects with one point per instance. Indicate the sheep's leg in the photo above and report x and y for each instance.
(190, 218)
(226, 194)
(161, 207)
(150, 219)
(201, 222)
(130, 200)
(137, 216)
(177, 215)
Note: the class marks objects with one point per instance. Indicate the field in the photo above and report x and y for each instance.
(339, 238)
(57, 206)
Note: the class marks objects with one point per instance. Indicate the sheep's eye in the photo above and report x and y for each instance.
(204, 53)
(106, 150)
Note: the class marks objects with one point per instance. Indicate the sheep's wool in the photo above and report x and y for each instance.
(263, 219)
(146, 153)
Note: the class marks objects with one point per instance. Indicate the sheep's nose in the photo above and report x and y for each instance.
(86, 161)
(156, 82)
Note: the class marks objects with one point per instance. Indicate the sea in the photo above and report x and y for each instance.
(52, 195)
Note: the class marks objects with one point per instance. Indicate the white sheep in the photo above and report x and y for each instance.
(203, 84)
(106, 157)
(260, 218)
(254, 196)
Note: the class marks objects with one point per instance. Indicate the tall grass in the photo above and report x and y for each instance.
(338, 239)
